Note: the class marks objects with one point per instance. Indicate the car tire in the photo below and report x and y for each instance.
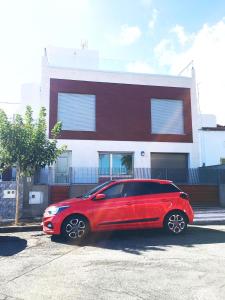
(75, 229)
(175, 223)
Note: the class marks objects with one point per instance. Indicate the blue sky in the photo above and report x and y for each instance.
(152, 36)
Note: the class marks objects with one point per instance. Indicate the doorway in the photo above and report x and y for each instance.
(62, 167)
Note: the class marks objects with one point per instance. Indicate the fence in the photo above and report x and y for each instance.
(94, 175)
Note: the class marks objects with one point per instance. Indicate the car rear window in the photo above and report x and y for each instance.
(145, 188)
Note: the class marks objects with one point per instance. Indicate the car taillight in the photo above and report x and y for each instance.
(184, 196)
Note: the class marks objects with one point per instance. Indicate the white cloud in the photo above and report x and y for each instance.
(146, 3)
(128, 35)
(139, 67)
(207, 50)
(164, 52)
(153, 19)
(181, 35)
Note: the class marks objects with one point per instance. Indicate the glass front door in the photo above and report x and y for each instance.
(62, 167)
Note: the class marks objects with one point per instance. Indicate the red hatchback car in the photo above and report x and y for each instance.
(118, 205)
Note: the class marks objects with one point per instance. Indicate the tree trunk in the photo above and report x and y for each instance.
(17, 196)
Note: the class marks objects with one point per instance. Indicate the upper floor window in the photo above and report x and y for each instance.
(167, 116)
(76, 111)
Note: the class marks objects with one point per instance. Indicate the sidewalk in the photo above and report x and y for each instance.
(209, 215)
(25, 225)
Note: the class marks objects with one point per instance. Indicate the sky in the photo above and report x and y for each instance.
(150, 36)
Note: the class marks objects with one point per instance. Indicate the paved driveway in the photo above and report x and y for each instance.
(124, 265)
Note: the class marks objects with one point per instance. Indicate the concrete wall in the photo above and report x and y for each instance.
(8, 205)
(34, 210)
(79, 189)
(222, 194)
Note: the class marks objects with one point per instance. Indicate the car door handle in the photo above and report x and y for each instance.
(129, 203)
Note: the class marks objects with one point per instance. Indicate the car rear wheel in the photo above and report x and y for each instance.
(175, 223)
(75, 228)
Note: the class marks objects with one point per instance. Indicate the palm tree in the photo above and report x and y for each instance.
(127, 162)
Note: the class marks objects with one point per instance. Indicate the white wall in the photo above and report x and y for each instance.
(207, 120)
(212, 147)
(72, 58)
(85, 152)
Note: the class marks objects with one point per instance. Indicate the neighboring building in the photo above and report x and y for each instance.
(118, 121)
(30, 95)
(212, 141)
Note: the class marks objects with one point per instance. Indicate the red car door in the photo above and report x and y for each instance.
(114, 211)
(149, 207)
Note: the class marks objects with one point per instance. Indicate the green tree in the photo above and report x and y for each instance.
(24, 145)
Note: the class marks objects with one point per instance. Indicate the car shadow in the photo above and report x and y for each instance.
(11, 245)
(139, 241)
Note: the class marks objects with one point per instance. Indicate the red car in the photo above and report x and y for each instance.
(118, 205)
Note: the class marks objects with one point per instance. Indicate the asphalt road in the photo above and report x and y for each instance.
(124, 265)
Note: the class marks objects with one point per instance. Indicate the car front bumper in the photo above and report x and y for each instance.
(51, 225)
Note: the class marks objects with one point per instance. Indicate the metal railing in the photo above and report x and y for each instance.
(94, 175)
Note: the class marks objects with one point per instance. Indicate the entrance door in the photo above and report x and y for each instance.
(62, 167)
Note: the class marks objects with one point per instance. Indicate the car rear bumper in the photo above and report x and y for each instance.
(190, 214)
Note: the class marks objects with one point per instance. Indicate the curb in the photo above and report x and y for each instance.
(8, 229)
(209, 222)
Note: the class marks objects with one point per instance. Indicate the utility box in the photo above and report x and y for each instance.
(35, 197)
(9, 194)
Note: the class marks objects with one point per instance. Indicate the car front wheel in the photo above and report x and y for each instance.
(175, 223)
(75, 228)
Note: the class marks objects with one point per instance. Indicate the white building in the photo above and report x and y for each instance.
(212, 141)
(152, 119)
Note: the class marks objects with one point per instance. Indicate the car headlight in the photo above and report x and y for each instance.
(54, 210)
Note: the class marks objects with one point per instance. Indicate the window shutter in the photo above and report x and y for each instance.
(167, 116)
(76, 111)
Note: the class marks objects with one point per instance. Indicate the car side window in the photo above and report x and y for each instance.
(158, 188)
(115, 191)
(137, 188)
(147, 188)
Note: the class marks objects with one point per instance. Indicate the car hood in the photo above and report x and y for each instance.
(69, 202)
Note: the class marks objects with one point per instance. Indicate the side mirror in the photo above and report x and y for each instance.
(100, 196)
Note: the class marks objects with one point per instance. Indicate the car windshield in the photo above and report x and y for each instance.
(95, 189)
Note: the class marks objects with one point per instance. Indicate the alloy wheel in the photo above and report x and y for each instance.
(75, 228)
(176, 223)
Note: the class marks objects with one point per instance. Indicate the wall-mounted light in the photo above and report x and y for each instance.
(142, 153)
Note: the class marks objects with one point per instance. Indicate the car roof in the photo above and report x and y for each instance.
(161, 181)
